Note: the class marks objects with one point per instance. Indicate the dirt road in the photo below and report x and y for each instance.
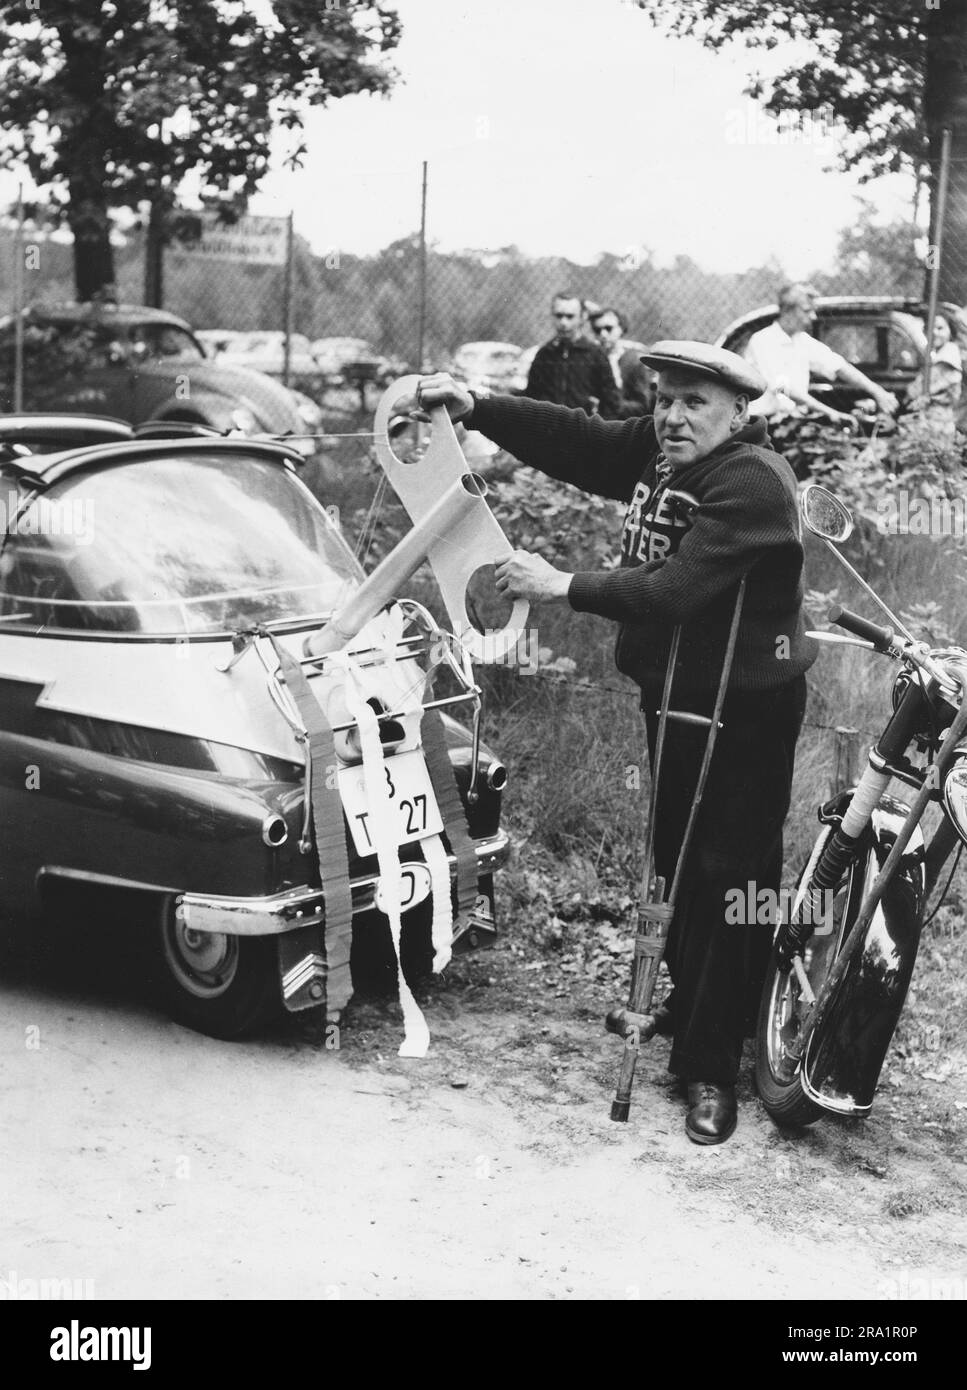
(157, 1163)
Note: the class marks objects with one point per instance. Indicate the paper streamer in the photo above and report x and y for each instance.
(441, 930)
(382, 830)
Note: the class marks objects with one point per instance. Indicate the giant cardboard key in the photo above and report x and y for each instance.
(453, 528)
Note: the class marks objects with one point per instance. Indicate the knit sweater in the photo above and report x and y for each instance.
(672, 570)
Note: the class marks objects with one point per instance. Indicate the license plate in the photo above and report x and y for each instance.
(412, 805)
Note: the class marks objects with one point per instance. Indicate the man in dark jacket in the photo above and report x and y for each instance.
(570, 370)
(675, 571)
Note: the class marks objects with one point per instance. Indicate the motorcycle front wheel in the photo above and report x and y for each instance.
(783, 1008)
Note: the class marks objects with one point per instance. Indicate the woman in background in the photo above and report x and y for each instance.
(946, 371)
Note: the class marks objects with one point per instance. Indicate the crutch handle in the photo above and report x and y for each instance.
(680, 716)
(625, 1021)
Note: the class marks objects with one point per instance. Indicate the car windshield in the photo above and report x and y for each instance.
(181, 543)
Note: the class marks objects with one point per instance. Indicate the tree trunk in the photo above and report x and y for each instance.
(90, 223)
(85, 133)
(945, 105)
(154, 255)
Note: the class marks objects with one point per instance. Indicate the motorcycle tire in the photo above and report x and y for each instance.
(779, 1086)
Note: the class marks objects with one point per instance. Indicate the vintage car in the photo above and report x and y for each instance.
(264, 351)
(161, 721)
(881, 335)
(142, 364)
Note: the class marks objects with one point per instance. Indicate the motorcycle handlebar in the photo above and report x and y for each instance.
(881, 637)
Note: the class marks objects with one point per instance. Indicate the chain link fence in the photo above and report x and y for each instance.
(358, 321)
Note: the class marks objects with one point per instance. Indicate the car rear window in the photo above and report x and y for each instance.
(184, 543)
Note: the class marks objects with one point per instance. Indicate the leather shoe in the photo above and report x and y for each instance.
(712, 1113)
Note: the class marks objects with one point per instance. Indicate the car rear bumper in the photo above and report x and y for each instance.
(301, 907)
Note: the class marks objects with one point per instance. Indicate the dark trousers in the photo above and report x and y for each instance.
(717, 965)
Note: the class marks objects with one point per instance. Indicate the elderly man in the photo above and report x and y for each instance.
(675, 571)
(787, 355)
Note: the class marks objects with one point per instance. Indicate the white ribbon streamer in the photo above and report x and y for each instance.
(441, 930)
(406, 695)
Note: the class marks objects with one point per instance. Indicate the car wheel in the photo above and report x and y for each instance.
(225, 986)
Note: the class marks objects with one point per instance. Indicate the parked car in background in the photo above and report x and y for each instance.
(138, 364)
(489, 366)
(217, 340)
(344, 361)
(881, 335)
(172, 769)
(264, 351)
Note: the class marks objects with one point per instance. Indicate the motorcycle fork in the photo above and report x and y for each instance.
(855, 885)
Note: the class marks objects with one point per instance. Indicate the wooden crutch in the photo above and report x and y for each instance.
(652, 914)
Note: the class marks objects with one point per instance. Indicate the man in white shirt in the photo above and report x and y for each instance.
(787, 355)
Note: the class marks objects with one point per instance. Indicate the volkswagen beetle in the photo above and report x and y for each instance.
(161, 728)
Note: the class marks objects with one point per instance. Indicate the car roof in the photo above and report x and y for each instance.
(835, 304)
(51, 468)
(54, 422)
(122, 314)
(484, 347)
(350, 343)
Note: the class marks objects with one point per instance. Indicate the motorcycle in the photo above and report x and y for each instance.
(844, 953)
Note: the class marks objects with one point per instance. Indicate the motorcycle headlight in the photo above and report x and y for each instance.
(244, 419)
(955, 794)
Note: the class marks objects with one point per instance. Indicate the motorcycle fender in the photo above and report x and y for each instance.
(844, 1058)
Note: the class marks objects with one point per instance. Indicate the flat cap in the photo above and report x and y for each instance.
(728, 368)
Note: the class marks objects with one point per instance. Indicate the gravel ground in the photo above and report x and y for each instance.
(157, 1163)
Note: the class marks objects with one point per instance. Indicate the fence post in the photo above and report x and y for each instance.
(937, 250)
(18, 306)
(421, 341)
(288, 298)
(846, 744)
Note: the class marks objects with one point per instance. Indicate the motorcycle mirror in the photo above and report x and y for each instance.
(824, 514)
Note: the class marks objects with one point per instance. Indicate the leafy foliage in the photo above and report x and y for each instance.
(86, 86)
(865, 64)
(891, 75)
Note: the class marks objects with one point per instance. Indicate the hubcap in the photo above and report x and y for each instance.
(203, 963)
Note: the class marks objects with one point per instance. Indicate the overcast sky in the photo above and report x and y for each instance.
(571, 126)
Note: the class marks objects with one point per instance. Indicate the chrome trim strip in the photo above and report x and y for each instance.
(276, 912)
(102, 880)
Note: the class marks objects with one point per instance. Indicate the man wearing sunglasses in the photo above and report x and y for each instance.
(632, 378)
(569, 369)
